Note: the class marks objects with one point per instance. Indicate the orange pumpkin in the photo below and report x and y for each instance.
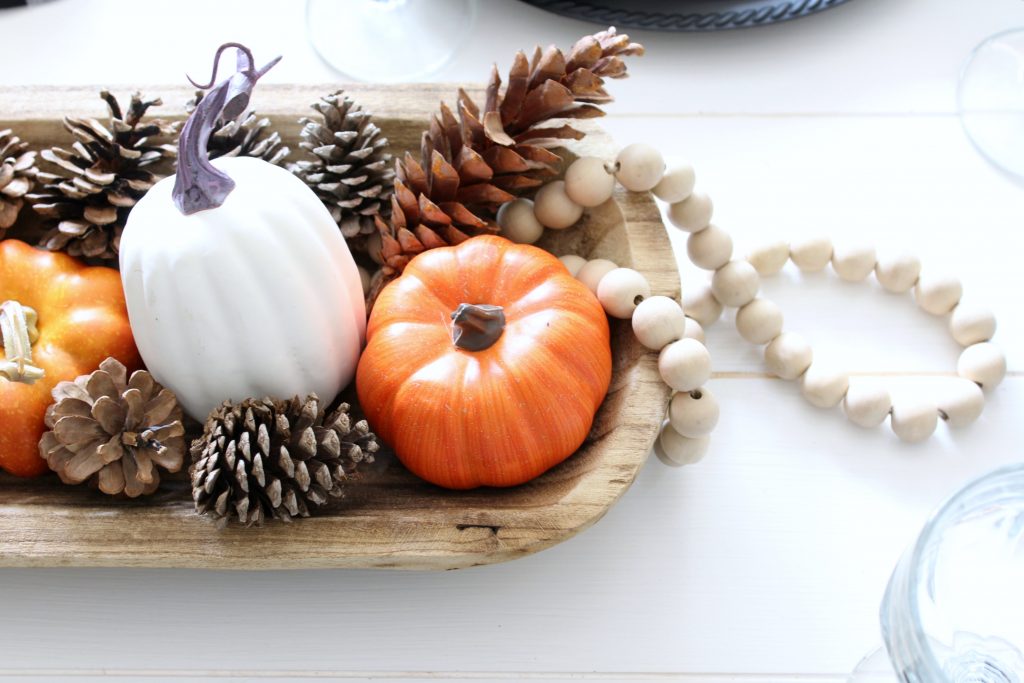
(76, 318)
(485, 364)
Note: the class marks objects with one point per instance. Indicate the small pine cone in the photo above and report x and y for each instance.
(263, 458)
(17, 175)
(350, 169)
(250, 137)
(86, 201)
(114, 431)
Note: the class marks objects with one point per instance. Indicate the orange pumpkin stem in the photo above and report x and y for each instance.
(17, 333)
(477, 326)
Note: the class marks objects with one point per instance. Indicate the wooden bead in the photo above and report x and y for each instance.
(684, 365)
(937, 294)
(676, 185)
(701, 305)
(621, 290)
(364, 279)
(658, 321)
(961, 403)
(736, 283)
(591, 272)
(898, 273)
(518, 222)
(914, 420)
(676, 450)
(588, 182)
(710, 248)
(553, 208)
(769, 259)
(984, 363)
(853, 263)
(867, 404)
(640, 167)
(573, 263)
(693, 330)
(788, 356)
(971, 324)
(693, 413)
(824, 387)
(811, 255)
(760, 321)
(693, 214)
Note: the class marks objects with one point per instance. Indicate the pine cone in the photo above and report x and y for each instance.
(471, 165)
(97, 182)
(114, 431)
(247, 138)
(263, 458)
(17, 175)
(351, 168)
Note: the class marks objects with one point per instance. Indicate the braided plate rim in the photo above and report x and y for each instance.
(772, 12)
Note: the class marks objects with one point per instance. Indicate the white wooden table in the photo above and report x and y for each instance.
(767, 561)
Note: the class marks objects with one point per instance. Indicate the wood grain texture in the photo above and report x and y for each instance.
(391, 520)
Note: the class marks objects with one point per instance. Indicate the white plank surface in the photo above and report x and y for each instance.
(866, 56)
(765, 562)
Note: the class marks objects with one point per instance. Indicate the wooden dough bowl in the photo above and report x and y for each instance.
(391, 519)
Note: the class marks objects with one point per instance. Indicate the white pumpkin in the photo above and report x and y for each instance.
(257, 297)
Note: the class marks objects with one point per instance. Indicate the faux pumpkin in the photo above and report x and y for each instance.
(60, 319)
(238, 282)
(485, 364)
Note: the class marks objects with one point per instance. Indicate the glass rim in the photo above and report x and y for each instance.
(962, 111)
(974, 53)
(415, 77)
(995, 480)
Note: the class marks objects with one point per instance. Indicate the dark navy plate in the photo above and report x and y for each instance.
(685, 15)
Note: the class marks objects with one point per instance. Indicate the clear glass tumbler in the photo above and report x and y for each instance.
(953, 611)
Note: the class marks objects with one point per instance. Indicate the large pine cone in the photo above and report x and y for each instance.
(263, 458)
(350, 169)
(17, 175)
(114, 431)
(97, 182)
(472, 164)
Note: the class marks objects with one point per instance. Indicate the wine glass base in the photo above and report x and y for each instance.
(874, 668)
(389, 41)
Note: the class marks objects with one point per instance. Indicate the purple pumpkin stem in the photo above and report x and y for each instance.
(198, 185)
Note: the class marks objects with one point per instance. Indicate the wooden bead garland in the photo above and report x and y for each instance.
(554, 209)
(710, 248)
(853, 264)
(588, 182)
(693, 413)
(591, 272)
(938, 294)
(770, 258)
(811, 255)
(982, 365)
(573, 263)
(659, 322)
(639, 167)
(676, 185)
(621, 290)
(518, 222)
(677, 332)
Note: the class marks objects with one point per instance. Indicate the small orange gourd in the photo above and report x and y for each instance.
(71, 318)
(485, 364)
